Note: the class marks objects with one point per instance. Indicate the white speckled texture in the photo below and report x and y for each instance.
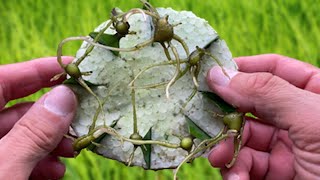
(153, 108)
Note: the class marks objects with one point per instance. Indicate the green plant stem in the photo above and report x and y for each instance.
(95, 117)
(193, 93)
(86, 87)
(204, 145)
(88, 40)
(194, 71)
(141, 11)
(177, 72)
(150, 7)
(132, 155)
(183, 43)
(90, 48)
(160, 143)
(237, 144)
(59, 52)
(152, 66)
(166, 52)
(134, 111)
(218, 62)
(151, 86)
(109, 130)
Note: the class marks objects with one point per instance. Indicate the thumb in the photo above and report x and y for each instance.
(267, 96)
(39, 131)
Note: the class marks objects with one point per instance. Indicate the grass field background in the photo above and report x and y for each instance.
(33, 28)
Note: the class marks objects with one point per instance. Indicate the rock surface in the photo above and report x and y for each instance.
(153, 109)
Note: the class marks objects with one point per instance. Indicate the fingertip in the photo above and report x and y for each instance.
(67, 59)
(60, 101)
(231, 176)
(42, 128)
(221, 154)
(236, 175)
(218, 76)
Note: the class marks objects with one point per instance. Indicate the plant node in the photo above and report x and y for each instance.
(122, 28)
(233, 121)
(163, 30)
(136, 136)
(73, 70)
(186, 143)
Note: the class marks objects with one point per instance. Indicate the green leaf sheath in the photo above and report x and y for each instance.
(146, 149)
(107, 40)
(196, 131)
(224, 106)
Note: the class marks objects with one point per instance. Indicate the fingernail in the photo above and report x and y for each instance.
(233, 176)
(60, 101)
(221, 77)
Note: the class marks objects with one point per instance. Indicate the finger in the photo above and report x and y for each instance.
(257, 136)
(21, 79)
(251, 164)
(48, 168)
(281, 162)
(221, 154)
(40, 130)
(265, 95)
(262, 137)
(64, 148)
(9, 116)
(284, 67)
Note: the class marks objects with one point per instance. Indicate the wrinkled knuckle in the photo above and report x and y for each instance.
(39, 140)
(261, 83)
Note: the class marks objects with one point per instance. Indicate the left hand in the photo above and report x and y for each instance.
(31, 134)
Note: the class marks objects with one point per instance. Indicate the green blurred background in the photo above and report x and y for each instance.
(33, 28)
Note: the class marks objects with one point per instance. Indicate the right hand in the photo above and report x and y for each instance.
(284, 141)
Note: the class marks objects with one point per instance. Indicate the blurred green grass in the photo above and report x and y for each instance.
(33, 28)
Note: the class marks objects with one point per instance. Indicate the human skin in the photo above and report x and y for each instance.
(32, 133)
(283, 142)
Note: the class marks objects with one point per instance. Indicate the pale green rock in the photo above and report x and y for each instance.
(165, 116)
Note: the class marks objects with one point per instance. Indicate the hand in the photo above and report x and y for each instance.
(32, 133)
(284, 141)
